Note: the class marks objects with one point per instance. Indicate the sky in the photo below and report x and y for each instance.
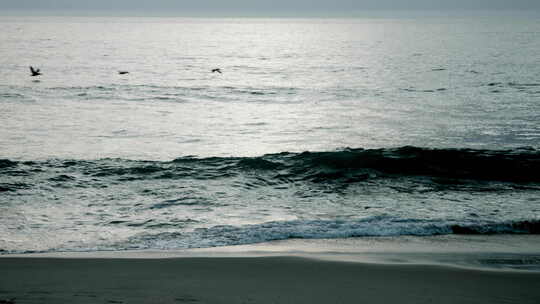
(277, 6)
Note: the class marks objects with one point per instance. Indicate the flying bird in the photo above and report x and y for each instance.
(216, 70)
(123, 72)
(34, 72)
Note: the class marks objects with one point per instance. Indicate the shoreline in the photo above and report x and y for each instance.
(359, 270)
(255, 280)
(480, 252)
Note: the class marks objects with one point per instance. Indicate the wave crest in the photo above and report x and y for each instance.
(345, 166)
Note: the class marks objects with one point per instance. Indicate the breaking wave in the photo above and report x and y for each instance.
(319, 229)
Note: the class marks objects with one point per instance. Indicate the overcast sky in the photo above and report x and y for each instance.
(290, 6)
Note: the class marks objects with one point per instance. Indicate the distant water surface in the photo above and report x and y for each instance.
(413, 125)
(288, 85)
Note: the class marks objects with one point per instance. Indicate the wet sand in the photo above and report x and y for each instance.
(255, 280)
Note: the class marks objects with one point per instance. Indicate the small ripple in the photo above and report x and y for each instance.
(62, 178)
(183, 201)
(8, 187)
(12, 95)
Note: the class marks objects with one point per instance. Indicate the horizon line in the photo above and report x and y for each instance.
(258, 14)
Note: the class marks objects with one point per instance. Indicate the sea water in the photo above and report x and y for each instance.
(316, 128)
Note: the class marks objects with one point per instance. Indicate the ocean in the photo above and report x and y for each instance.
(316, 128)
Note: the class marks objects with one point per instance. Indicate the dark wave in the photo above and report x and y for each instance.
(444, 166)
(5, 163)
(519, 165)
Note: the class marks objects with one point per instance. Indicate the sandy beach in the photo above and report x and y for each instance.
(255, 280)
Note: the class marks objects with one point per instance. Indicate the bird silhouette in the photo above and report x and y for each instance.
(216, 70)
(35, 72)
(123, 72)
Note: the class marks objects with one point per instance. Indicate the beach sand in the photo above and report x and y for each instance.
(255, 280)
